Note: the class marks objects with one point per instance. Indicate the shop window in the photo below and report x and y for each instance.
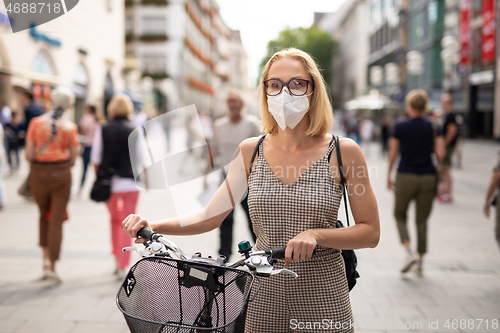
(43, 64)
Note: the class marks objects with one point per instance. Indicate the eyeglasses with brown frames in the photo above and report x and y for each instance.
(296, 86)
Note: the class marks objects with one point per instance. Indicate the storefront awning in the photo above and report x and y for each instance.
(372, 101)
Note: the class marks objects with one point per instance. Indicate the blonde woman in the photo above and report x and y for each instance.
(294, 197)
(51, 148)
(110, 150)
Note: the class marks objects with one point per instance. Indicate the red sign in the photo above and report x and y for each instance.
(464, 32)
(46, 91)
(37, 90)
(488, 31)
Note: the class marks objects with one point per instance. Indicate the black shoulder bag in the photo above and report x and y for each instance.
(101, 190)
(350, 260)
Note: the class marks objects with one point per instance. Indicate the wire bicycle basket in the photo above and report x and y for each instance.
(166, 295)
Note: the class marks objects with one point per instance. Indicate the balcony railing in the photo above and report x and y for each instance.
(149, 37)
(155, 2)
(156, 75)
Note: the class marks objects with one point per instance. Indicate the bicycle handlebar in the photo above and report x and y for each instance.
(146, 234)
(279, 252)
(155, 237)
(276, 253)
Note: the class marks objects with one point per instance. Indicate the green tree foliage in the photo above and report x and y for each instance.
(313, 40)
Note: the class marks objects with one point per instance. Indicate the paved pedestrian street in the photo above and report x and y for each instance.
(458, 292)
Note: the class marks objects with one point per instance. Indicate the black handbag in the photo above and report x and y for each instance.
(350, 259)
(101, 190)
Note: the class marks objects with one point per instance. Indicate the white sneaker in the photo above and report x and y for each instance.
(408, 263)
(417, 269)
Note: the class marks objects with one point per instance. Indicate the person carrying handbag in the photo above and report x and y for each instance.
(51, 148)
(112, 161)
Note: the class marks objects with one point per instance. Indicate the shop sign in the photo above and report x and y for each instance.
(488, 31)
(36, 35)
(464, 32)
(483, 77)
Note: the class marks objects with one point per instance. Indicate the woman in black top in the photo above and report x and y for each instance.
(416, 140)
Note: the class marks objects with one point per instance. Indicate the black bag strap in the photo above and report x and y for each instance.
(255, 151)
(342, 177)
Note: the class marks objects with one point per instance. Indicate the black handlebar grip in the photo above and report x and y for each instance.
(146, 234)
(279, 252)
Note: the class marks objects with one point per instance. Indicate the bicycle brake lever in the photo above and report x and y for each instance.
(129, 248)
(284, 271)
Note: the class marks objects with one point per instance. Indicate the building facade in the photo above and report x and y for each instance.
(83, 50)
(388, 45)
(349, 27)
(184, 45)
(477, 65)
(425, 31)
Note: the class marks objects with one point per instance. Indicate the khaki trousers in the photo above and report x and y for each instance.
(422, 189)
(497, 227)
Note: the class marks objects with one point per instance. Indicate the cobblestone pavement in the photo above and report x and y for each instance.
(460, 285)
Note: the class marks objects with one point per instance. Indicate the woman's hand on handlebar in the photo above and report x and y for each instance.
(133, 223)
(300, 247)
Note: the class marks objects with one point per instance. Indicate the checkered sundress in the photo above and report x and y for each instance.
(279, 212)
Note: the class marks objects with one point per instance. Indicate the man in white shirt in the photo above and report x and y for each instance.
(233, 128)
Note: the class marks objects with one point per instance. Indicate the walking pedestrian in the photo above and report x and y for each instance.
(233, 128)
(299, 211)
(15, 134)
(366, 129)
(51, 148)
(89, 123)
(110, 149)
(2, 163)
(385, 129)
(416, 140)
(138, 117)
(351, 126)
(5, 113)
(459, 146)
(493, 198)
(450, 133)
(31, 109)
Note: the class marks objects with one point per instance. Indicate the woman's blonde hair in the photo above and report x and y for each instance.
(120, 106)
(320, 110)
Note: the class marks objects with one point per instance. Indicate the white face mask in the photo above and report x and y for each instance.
(287, 109)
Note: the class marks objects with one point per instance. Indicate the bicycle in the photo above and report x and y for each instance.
(198, 294)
